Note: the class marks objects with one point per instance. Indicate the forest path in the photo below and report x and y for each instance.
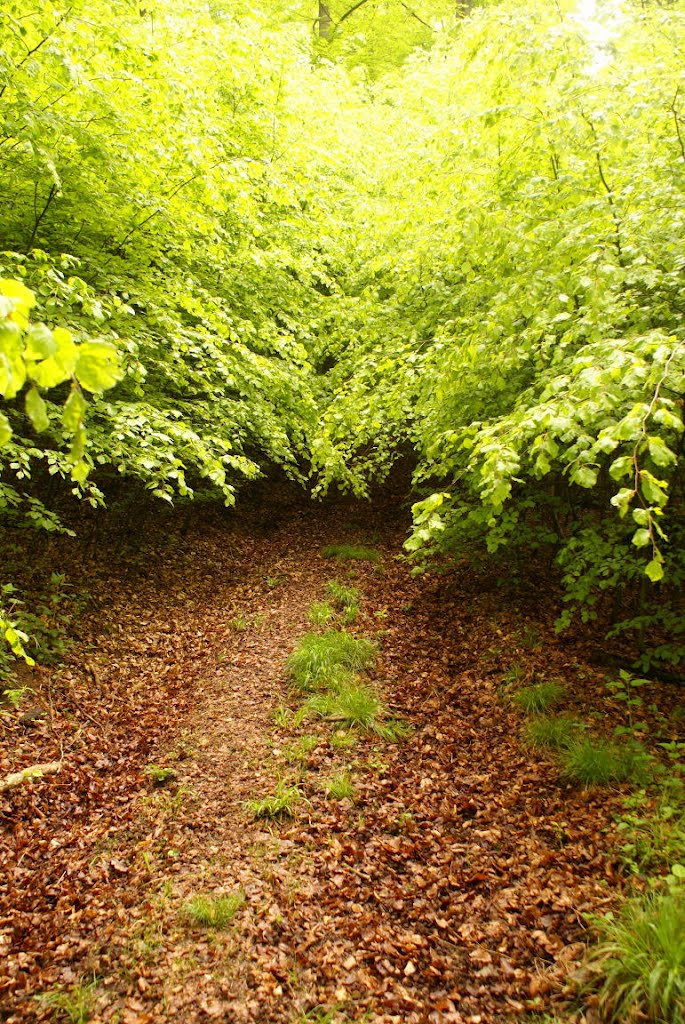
(450, 889)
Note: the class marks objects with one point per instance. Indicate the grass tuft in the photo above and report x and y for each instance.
(539, 697)
(352, 704)
(322, 659)
(642, 961)
(301, 749)
(158, 775)
(340, 787)
(213, 911)
(597, 763)
(278, 804)
(551, 733)
(320, 613)
(76, 1004)
(342, 595)
(351, 553)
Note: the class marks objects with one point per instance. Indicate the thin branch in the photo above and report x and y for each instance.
(415, 15)
(169, 195)
(350, 12)
(674, 111)
(608, 189)
(39, 216)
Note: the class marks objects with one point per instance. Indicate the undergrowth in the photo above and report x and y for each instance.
(539, 697)
(319, 658)
(593, 762)
(641, 960)
(544, 733)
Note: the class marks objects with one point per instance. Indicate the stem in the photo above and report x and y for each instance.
(39, 216)
(678, 132)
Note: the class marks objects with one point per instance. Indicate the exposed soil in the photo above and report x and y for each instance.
(455, 886)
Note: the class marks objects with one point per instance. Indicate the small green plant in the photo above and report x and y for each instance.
(278, 804)
(319, 657)
(641, 959)
(274, 581)
(76, 1004)
(340, 787)
(343, 740)
(213, 911)
(655, 837)
(301, 749)
(529, 637)
(351, 553)
(16, 696)
(238, 623)
(282, 717)
(342, 595)
(514, 674)
(404, 821)
(596, 762)
(351, 704)
(320, 613)
(159, 776)
(551, 733)
(394, 731)
(539, 697)
(624, 689)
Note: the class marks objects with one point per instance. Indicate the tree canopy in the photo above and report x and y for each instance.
(327, 236)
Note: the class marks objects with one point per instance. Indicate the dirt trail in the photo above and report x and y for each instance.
(451, 889)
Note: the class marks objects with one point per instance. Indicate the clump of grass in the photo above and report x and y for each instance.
(319, 658)
(351, 704)
(278, 804)
(343, 740)
(514, 674)
(238, 623)
(159, 776)
(351, 553)
(301, 749)
(551, 733)
(642, 961)
(394, 730)
(342, 595)
(539, 697)
(320, 613)
(213, 911)
(282, 717)
(340, 787)
(350, 615)
(76, 1004)
(596, 762)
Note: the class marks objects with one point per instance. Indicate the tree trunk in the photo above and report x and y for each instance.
(325, 21)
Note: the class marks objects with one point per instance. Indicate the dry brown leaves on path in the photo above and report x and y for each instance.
(452, 887)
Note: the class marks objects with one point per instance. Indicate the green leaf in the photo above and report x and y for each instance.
(97, 365)
(641, 538)
(40, 343)
(36, 410)
(74, 411)
(655, 570)
(585, 476)
(5, 429)
(660, 453)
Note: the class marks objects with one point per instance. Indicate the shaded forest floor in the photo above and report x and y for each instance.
(454, 886)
